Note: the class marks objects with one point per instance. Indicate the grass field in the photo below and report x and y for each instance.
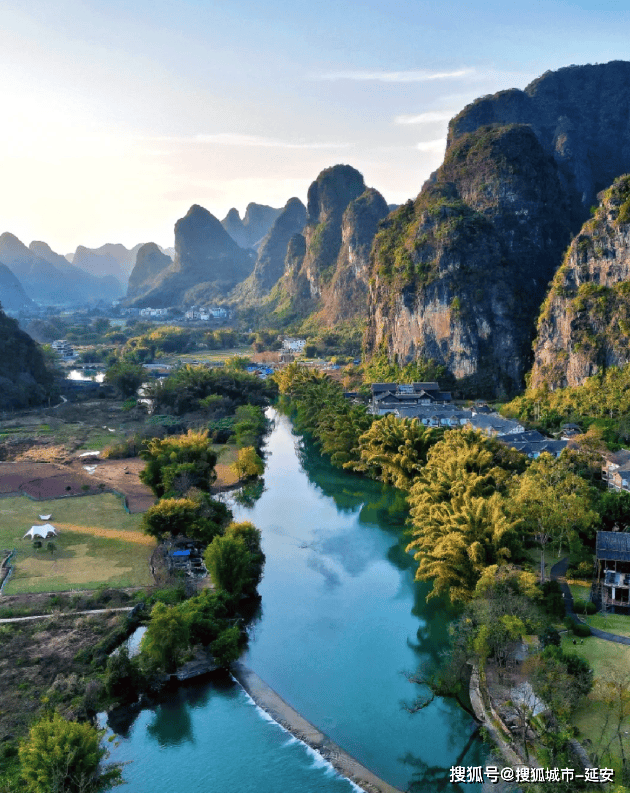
(207, 356)
(580, 590)
(607, 660)
(98, 543)
(613, 623)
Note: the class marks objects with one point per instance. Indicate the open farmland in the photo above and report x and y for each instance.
(207, 356)
(98, 544)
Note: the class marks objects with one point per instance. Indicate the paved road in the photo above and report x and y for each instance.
(65, 614)
(559, 570)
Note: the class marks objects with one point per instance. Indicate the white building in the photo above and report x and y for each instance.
(293, 345)
(154, 313)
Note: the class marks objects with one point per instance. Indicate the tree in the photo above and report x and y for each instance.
(463, 462)
(185, 388)
(61, 756)
(226, 647)
(553, 502)
(166, 638)
(614, 691)
(341, 431)
(395, 450)
(229, 563)
(458, 540)
(122, 676)
(177, 463)
(100, 325)
(200, 518)
(250, 424)
(248, 464)
(125, 377)
(614, 509)
(251, 536)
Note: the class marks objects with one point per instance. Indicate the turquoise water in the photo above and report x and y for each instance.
(341, 619)
(212, 739)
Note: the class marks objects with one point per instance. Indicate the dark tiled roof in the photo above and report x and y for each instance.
(613, 545)
(529, 436)
(379, 387)
(618, 458)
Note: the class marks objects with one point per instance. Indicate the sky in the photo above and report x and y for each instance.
(117, 116)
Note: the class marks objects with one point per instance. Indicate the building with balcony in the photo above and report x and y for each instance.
(613, 569)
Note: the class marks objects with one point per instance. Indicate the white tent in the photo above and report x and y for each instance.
(45, 517)
(45, 531)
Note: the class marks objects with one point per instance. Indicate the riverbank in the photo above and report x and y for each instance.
(281, 712)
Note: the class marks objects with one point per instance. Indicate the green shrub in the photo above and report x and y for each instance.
(581, 606)
(580, 629)
(550, 637)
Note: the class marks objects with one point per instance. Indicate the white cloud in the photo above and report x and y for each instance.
(411, 76)
(429, 117)
(438, 145)
(259, 141)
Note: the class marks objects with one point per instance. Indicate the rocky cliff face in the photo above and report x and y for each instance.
(459, 274)
(150, 263)
(24, 379)
(272, 252)
(347, 294)
(207, 265)
(580, 115)
(330, 275)
(251, 230)
(584, 326)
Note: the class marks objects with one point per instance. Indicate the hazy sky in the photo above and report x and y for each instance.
(118, 115)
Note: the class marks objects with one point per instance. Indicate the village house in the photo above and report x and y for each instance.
(425, 402)
(63, 348)
(205, 314)
(388, 397)
(154, 313)
(616, 469)
(293, 345)
(570, 431)
(613, 569)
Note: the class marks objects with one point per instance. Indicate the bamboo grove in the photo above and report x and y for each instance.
(474, 503)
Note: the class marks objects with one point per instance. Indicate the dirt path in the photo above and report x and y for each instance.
(64, 614)
(111, 534)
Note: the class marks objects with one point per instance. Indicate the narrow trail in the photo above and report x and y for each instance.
(64, 614)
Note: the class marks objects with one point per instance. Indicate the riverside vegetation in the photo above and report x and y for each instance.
(180, 469)
(480, 513)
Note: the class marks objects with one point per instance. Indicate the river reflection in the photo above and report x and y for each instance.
(340, 619)
(343, 617)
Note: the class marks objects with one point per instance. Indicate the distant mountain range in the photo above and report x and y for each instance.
(37, 273)
(513, 255)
